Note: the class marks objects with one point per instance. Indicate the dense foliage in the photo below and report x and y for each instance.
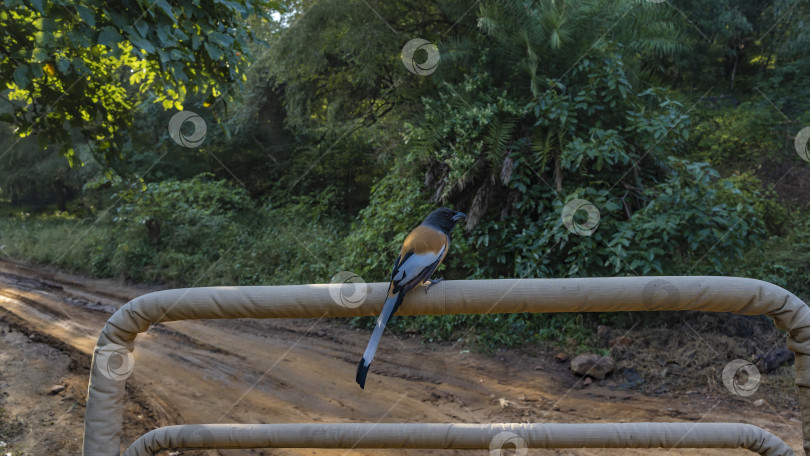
(675, 121)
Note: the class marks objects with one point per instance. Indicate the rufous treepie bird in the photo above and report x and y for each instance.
(422, 252)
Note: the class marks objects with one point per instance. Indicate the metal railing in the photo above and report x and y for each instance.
(104, 413)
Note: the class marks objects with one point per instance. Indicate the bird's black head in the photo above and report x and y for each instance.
(444, 219)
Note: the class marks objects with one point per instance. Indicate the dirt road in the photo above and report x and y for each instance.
(278, 371)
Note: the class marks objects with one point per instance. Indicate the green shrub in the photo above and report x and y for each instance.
(735, 138)
(173, 230)
(782, 260)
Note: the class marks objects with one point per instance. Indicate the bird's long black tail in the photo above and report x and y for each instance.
(390, 306)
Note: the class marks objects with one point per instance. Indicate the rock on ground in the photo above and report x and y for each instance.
(592, 365)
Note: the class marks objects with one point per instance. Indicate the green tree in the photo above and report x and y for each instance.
(337, 70)
(31, 175)
(537, 108)
(741, 41)
(69, 65)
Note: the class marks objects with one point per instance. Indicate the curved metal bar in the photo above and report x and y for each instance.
(104, 411)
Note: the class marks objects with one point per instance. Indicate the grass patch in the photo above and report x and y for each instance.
(277, 246)
(54, 239)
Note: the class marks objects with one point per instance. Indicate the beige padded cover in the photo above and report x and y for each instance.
(469, 436)
(716, 294)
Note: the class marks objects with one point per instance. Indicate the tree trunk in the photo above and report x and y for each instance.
(15, 197)
(733, 72)
(153, 228)
(59, 192)
(558, 172)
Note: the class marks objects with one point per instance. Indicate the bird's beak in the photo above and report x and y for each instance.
(459, 216)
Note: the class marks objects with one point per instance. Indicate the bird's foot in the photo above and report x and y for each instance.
(430, 283)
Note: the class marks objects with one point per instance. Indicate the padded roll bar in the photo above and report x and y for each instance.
(462, 436)
(104, 413)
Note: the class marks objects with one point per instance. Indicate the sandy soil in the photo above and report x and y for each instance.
(283, 371)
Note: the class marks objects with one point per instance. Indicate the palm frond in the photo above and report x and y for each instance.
(498, 138)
